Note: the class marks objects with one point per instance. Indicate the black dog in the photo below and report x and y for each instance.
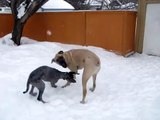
(47, 74)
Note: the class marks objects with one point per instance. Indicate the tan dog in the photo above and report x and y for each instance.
(76, 59)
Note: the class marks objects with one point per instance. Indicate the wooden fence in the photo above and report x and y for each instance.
(111, 30)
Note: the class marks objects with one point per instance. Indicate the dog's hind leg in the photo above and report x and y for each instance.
(94, 76)
(31, 91)
(85, 77)
(41, 86)
(94, 83)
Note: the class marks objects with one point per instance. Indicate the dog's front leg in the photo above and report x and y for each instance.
(67, 84)
(53, 84)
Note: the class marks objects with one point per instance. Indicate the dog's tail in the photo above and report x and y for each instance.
(27, 88)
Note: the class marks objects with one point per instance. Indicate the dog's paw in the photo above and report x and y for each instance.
(41, 100)
(82, 102)
(63, 86)
(92, 89)
(33, 94)
(55, 86)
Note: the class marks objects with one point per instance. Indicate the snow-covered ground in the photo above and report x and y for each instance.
(127, 88)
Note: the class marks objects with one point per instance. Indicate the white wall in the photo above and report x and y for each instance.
(152, 30)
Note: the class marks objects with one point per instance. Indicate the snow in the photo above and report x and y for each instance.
(152, 28)
(127, 88)
(57, 4)
(129, 5)
(21, 10)
(7, 40)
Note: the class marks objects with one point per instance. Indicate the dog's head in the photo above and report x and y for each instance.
(59, 59)
(70, 76)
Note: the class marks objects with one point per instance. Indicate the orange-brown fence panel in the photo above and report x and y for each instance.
(112, 30)
(35, 27)
(66, 27)
(129, 32)
(6, 24)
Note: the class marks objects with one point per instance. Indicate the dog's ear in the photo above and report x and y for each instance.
(60, 52)
(61, 61)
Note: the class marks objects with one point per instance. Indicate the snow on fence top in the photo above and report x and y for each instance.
(57, 4)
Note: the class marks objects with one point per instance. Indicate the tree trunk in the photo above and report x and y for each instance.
(17, 31)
